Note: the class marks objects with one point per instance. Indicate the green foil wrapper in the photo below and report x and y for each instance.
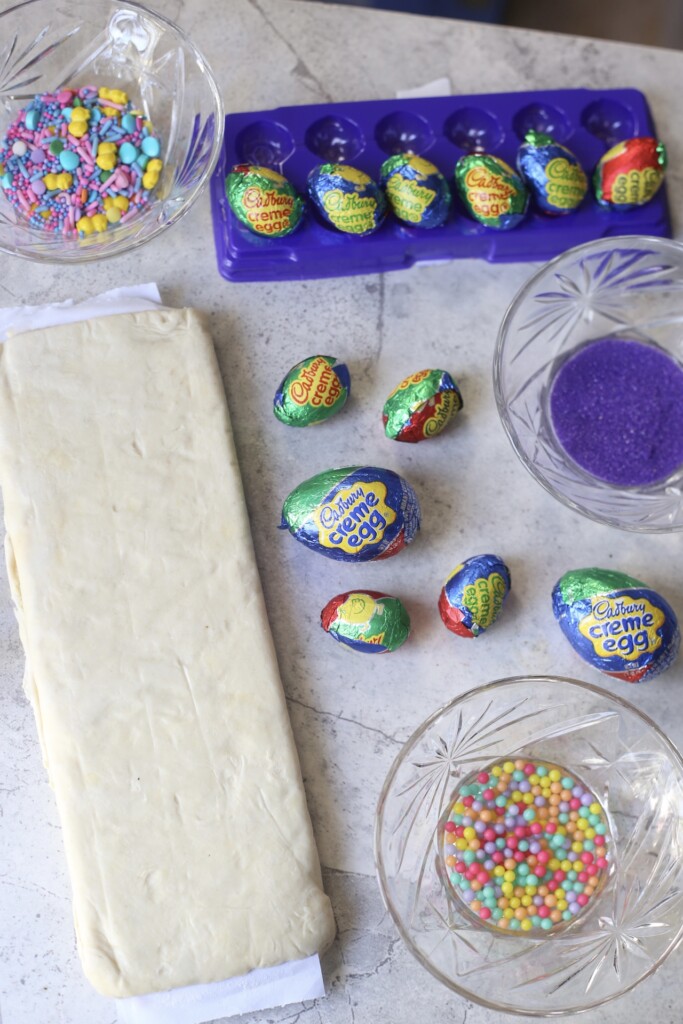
(367, 621)
(491, 191)
(421, 406)
(263, 200)
(313, 390)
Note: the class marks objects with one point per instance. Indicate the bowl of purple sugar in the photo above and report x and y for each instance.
(588, 378)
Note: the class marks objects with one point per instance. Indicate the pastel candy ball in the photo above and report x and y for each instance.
(128, 152)
(128, 123)
(69, 160)
(150, 146)
(32, 119)
(19, 148)
(541, 871)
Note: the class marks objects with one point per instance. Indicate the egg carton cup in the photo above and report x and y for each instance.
(293, 140)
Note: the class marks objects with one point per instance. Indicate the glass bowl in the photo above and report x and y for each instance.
(48, 44)
(628, 928)
(614, 287)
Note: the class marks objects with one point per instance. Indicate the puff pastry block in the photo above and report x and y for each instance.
(150, 663)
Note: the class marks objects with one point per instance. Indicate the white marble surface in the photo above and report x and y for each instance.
(350, 715)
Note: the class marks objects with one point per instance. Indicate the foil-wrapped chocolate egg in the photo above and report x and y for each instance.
(421, 406)
(616, 623)
(367, 621)
(630, 173)
(263, 200)
(416, 189)
(472, 597)
(353, 515)
(552, 174)
(491, 191)
(347, 198)
(313, 390)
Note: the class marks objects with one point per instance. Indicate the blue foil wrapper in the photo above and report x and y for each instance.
(417, 191)
(347, 198)
(552, 174)
(356, 514)
(616, 623)
(472, 597)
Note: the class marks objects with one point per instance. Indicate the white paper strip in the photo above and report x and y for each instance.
(259, 990)
(438, 87)
(130, 299)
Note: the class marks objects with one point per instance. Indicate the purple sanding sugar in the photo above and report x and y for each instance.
(617, 410)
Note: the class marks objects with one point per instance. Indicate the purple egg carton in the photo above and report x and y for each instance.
(293, 140)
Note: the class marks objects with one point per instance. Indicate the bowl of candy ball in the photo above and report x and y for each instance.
(110, 125)
(529, 846)
(588, 377)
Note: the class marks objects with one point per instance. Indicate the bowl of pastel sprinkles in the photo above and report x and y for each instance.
(110, 125)
(588, 378)
(529, 845)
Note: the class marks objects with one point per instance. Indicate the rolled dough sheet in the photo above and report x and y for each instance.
(150, 663)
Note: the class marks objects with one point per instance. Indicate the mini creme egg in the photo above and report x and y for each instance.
(630, 173)
(491, 191)
(313, 390)
(416, 189)
(421, 406)
(367, 621)
(472, 597)
(347, 198)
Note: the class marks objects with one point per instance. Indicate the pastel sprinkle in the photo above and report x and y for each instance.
(60, 159)
(510, 851)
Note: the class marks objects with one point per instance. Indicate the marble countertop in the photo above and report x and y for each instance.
(350, 717)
